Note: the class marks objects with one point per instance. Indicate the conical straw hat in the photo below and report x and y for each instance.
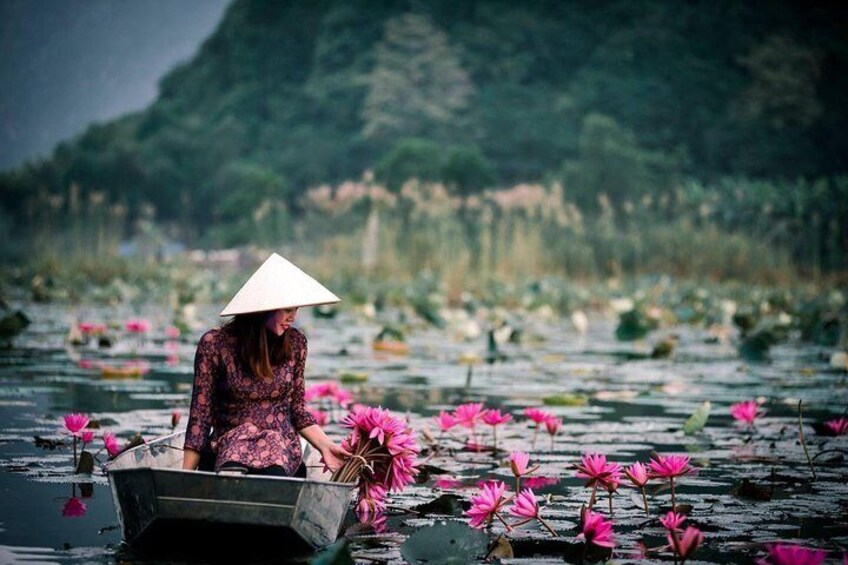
(278, 284)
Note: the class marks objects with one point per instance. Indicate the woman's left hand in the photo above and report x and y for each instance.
(334, 456)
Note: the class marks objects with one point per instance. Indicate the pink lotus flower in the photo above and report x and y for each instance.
(747, 411)
(74, 508)
(537, 416)
(343, 397)
(446, 421)
(524, 505)
(672, 520)
(785, 554)
(137, 326)
(670, 466)
(172, 332)
(486, 505)
(685, 545)
(110, 442)
(330, 390)
(74, 423)
(87, 436)
(596, 530)
(839, 427)
(468, 414)
(172, 360)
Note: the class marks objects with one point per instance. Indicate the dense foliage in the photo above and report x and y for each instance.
(626, 101)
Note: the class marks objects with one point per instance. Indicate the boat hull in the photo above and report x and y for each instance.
(155, 500)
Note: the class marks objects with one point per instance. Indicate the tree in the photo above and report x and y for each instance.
(409, 159)
(467, 171)
(417, 86)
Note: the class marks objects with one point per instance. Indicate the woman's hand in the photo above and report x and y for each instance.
(333, 456)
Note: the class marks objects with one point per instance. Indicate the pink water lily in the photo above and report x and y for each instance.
(839, 426)
(494, 418)
(381, 444)
(176, 415)
(638, 475)
(137, 326)
(321, 418)
(540, 482)
(92, 328)
(469, 414)
(87, 436)
(596, 530)
(673, 520)
(669, 467)
(172, 332)
(599, 472)
(747, 411)
(518, 463)
(685, 545)
(524, 505)
(372, 499)
(486, 505)
(74, 423)
(446, 421)
(552, 425)
(538, 417)
(786, 554)
(110, 442)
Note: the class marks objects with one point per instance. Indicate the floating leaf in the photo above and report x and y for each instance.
(445, 542)
(353, 378)
(696, 422)
(501, 549)
(747, 489)
(447, 504)
(566, 399)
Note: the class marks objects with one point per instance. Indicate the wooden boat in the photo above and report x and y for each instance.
(161, 506)
(389, 346)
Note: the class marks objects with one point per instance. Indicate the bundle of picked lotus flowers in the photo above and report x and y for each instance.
(383, 457)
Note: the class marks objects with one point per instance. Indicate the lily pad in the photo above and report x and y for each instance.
(566, 400)
(696, 422)
(353, 378)
(445, 542)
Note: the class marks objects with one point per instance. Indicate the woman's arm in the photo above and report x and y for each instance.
(332, 454)
(202, 402)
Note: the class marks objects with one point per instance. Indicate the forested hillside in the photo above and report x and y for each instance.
(626, 98)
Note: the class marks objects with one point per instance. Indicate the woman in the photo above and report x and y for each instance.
(247, 405)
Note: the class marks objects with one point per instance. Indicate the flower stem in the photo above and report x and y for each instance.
(75, 454)
(592, 496)
(547, 527)
(673, 503)
(645, 501)
(495, 436)
(499, 517)
(610, 502)
(535, 435)
(804, 443)
(518, 484)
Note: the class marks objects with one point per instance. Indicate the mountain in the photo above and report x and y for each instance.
(288, 94)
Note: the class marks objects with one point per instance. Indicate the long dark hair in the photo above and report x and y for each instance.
(257, 347)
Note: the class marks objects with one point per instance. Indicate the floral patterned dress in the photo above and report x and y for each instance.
(242, 417)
